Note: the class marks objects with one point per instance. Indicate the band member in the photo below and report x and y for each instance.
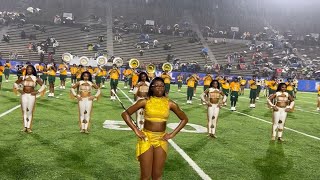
(243, 83)
(225, 87)
(151, 75)
(140, 91)
(214, 104)
(79, 72)
(197, 78)
(290, 87)
(126, 72)
(39, 69)
(152, 146)
(179, 79)
(1, 73)
(28, 95)
(98, 71)
(253, 92)
(73, 71)
(167, 80)
(280, 109)
(318, 107)
(134, 79)
(234, 88)
(63, 75)
(266, 87)
(44, 75)
(85, 99)
(272, 86)
(7, 68)
(259, 83)
(104, 74)
(114, 74)
(190, 83)
(90, 69)
(207, 81)
(51, 78)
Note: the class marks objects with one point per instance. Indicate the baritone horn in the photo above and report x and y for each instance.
(118, 61)
(134, 63)
(67, 57)
(167, 67)
(151, 68)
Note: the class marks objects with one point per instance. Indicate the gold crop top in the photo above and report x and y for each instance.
(157, 109)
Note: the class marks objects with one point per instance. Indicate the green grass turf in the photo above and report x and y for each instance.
(56, 149)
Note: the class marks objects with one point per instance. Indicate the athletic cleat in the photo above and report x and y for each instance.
(280, 139)
(273, 138)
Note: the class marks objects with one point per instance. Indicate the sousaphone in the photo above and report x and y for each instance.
(67, 57)
(84, 61)
(134, 63)
(101, 60)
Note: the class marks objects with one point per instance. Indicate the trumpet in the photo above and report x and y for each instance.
(151, 68)
(134, 63)
(167, 67)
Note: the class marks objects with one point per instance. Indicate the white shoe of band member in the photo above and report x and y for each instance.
(126, 87)
(234, 108)
(190, 101)
(179, 90)
(60, 87)
(103, 86)
(49, 95)
(257, 98)
(231, 109)
(63, 87)
(52, 95)
(7, 81)
(250, 106)
(318, 109)
(253, 105)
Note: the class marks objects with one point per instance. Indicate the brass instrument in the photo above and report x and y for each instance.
(101, 60)
(167, 67)
(84, 61)
(151, 68)
(118, 61)
(67, 57)
(134, 63)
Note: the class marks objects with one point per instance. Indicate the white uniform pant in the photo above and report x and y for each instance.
(140, 116)
(85, 107)
(27, 106)
(279, 119)
(213, 113)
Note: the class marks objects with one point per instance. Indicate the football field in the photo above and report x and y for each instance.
(243, 150)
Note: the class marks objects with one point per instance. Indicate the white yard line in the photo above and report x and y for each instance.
(18, 106)
(185, 156)
(253, 117)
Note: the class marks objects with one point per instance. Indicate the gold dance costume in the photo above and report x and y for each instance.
(156, 110)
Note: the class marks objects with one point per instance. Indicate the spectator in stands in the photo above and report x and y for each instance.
(155, 43)
(23, 34)
(167, 46)
(141, 52)
(100, 38)
(6, 38)
(85, 29)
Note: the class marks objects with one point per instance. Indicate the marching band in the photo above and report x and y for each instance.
(215, 92)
